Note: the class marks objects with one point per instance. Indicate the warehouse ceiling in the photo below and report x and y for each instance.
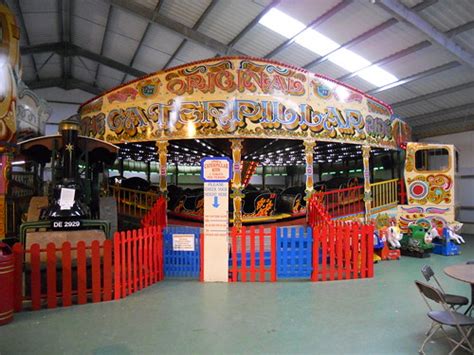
(416, 55)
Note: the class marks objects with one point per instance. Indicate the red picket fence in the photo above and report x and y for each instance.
(317, 213)
(138, 260)
(156, 216)
(61, 276)
(253, 254)
(343, 202)
(342, 251)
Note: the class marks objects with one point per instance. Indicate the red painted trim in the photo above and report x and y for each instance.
(51, 275)
(67, 274)
(81, 273)
(19, 255)
(253, 271)
(117, 269)
(273, 255)
(107, 272)
(35, 277)
(261, 236)
(95, 260)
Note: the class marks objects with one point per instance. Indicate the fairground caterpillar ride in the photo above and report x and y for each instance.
(271, 117)
(266, 115)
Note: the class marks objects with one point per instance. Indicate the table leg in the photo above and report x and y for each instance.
(470, 308)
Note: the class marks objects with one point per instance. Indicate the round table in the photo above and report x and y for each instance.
(464, 273)
(461, 272)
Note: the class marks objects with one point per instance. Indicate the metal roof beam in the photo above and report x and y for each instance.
(460, 29)
(433, 95)
(324, 17)
(73, 50)
(252, 23)
(415, 48)
(21, 18)
(65, 26)
(397, 8)
(175, 26)
(369, 33)
(414, 119)
(373, 31)
(66, 84)
(417, 76)
(195, 27)
(392, 57)
(57, 47)
(454, 125)
(102, 45)
(155, 12)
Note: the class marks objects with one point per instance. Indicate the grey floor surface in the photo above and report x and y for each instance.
(384, 315)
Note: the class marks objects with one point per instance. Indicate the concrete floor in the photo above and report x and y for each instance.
(384, 315)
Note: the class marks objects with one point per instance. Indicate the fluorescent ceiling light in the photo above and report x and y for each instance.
(348, 60)
(316, 42)
(281, 23)
(377, 76)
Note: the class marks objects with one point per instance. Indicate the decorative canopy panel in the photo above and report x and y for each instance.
(240, 97)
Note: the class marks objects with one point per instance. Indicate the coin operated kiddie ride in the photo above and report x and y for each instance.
(74, 199)
(428, 219)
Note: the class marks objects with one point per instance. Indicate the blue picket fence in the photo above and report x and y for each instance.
(181, 263)
(294, 252)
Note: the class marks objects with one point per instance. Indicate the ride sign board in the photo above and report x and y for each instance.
(183, 242)
(216, 173)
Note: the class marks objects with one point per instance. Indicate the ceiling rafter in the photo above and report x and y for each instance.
(399, 10)
(454, 125)
(102, 45)
(414, 119)
(434, 94)
(66, 84)
(198, 23)
(145, 33)
(321, 19)
(369, 33)
(74, 50)
(416, 76)
(21, 18)
(65, 34)
(412, 49)
(173, 25)
(252, 23)
(362, 37)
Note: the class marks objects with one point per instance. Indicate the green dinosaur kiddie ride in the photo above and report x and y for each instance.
(417, 242)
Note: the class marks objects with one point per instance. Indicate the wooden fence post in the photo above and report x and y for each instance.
(117, 269)
(67, 274)
(273, 254)
(19, 255)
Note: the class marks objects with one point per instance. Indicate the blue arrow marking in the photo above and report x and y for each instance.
(216, 202)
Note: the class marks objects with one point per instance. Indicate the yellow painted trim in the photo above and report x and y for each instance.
(383, 182)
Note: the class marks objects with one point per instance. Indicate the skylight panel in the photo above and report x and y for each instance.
(377, 76)
(281, 23)
(348, 60)
(316, 42)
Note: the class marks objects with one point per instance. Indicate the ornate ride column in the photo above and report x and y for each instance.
(367, 191)
(237, 195)
(162, 160)
(309, 153)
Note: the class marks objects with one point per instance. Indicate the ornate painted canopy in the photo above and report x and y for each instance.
(240, 97)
